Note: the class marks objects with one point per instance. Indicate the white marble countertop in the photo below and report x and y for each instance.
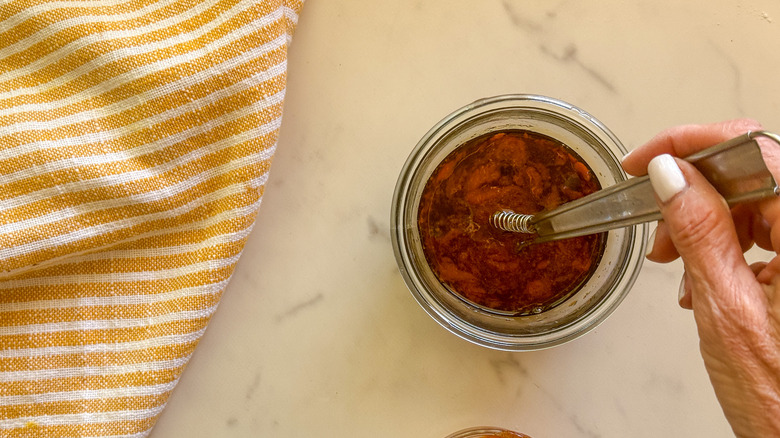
(317, 335)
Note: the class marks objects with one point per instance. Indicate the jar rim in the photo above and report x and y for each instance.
(547, 113)
(479, 431)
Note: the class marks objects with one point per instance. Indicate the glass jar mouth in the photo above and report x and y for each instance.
(581, 312)
(482, 431)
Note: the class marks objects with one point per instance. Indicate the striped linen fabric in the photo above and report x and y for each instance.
(135, 142)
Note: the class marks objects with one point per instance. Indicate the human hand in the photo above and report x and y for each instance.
(736, 306)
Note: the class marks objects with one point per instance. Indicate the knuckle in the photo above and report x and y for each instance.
(740, 126)
(700, 229)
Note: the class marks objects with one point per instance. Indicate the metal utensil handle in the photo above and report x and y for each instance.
(735, 168)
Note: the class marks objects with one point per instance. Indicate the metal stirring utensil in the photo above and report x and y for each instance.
(735, 168)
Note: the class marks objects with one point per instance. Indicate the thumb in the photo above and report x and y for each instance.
(700, 226)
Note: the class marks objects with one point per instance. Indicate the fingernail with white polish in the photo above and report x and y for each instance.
(666, 177)
(626, 155)
(681, 291)
(650, 242)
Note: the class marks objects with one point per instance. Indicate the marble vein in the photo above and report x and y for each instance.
(297, 308)
(377, 230)
(570, 55)
(736, 74)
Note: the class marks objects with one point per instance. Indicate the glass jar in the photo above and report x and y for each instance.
(487, 432)
(595, 299)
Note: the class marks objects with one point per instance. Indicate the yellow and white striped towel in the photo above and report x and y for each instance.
(135, 141)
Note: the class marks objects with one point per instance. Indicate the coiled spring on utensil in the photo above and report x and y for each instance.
(510, 221)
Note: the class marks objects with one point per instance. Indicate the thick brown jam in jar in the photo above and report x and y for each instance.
(516, 170)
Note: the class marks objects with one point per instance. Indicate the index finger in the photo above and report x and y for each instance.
(685, 140)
